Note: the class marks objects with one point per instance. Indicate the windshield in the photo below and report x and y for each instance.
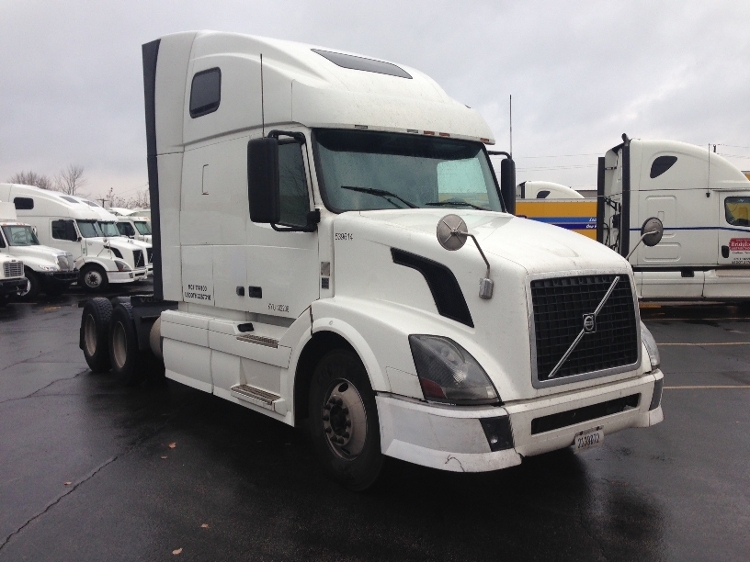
(143, 227)
(89, 229)
(360, 170)
(20, 235)
(109, 228)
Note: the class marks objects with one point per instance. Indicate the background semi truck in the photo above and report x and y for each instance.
(702, 200)
(64, 222)
(48, 270)
(331, 250)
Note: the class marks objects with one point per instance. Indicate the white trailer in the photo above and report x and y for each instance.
(305, 268)
(704, 204)
(64, 222)
(48, 270)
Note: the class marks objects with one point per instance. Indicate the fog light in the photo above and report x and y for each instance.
(498, 432)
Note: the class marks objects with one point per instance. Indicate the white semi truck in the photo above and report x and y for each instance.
(331, 250)
(13, 283)
(48, 270)
(64, 222)
(702, 200)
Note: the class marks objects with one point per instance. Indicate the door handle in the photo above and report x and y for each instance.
(725, 251)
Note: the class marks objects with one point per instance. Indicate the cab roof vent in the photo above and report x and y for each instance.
(360, 63)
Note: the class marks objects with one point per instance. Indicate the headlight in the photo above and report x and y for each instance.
(448, 373)
(122, 266)
(653, 351)
(49, 268)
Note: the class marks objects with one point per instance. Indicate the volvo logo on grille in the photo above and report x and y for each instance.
(589, 323)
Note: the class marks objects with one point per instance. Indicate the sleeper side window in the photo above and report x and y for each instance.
(205, 92)
(64, 230)
(23, 203)
(294, 197)
(737, 211)
(661, 164)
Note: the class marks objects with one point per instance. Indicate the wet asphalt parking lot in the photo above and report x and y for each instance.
(92, 470)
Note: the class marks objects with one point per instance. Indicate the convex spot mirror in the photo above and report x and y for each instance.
(652, 231)
(452, 232)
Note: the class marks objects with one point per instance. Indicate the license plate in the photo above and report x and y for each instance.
(589, 439)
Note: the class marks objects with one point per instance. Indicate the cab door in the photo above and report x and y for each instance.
(731, 278)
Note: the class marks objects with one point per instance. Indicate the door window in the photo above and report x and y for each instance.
(294, 198)
(737, 211)
(64, 230)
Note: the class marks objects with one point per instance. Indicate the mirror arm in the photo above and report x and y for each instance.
(639, 242)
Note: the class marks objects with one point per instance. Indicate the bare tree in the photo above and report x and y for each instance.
(32, 178)
(70, 180)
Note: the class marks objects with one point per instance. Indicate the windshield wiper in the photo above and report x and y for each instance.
(455, 204)
(380, 193)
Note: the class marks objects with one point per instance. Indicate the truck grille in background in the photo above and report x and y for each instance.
(65, 262)
(150, 255)
(559, 307)
(138, 259)
(13, 269)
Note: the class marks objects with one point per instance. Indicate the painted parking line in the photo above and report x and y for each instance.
(706, 387)
(704, 344)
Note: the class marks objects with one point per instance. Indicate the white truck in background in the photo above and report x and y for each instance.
(64, 222)
(109, 225)
(137, 228)
(702, 200)
(331, 250)
(13, 283)
(48, 270)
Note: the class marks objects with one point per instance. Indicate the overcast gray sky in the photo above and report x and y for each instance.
(581, 73)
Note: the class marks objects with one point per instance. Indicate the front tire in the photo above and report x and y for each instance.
(34, 285)
(97, 314)
(343, 424)
(93, 278)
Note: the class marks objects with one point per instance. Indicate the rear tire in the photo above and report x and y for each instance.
(128, 362)
(97, 314)
(343, 422)
(93, 278)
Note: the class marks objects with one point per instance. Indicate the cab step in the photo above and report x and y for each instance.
(259, 397)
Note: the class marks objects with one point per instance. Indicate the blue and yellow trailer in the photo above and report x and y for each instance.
(578, 215)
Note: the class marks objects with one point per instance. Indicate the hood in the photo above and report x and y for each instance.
(38, 253)
(536, 247)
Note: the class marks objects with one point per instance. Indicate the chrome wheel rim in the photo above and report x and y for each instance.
(344, 419)
(93, 279)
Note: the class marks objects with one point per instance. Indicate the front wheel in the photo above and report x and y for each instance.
(33, 287)
(343, 422)
(93, 278)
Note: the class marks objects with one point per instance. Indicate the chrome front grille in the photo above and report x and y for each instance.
(13, 269)
(65, 262)
(564, 312)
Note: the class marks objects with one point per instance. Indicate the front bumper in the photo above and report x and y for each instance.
(127, 276)
(60, 277)
(452, 438)
(13, 286)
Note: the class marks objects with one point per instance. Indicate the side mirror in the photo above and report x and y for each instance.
(651, 234)
(452, 233)
(508, 184)
(263, 180)
(652, 231)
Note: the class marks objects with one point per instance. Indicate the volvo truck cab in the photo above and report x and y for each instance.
(331, 249)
